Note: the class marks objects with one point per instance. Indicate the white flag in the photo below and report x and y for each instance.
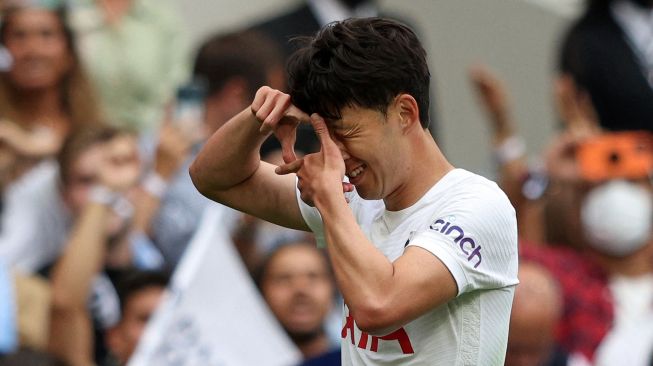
(213, 314)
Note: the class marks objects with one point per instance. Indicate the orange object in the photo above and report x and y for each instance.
(626, 155)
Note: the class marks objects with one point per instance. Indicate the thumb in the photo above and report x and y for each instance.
(288, 146)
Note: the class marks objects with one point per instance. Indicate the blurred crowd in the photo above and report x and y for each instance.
(103, 106)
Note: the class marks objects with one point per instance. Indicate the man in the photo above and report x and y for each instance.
(234, 66)
(536, 311)
(424, 254)
(99, 169)
(296, 281)
(140, 293)
(608, 52)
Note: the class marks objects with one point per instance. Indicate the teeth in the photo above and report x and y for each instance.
(354, 173)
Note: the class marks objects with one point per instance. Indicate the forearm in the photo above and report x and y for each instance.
(230, 156)
(82, 259)
(364, 275)
(71, 337)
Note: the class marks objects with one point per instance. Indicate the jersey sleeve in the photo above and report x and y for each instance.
(475, 236)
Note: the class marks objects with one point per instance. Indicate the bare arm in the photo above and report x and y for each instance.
(85, 253)
(229, 169)
(171, 152)
(71, 333)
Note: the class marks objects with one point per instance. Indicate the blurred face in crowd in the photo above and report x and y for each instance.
(105, 163)
(139, 307)
(298, 287)
(41, 54)
(536, 310)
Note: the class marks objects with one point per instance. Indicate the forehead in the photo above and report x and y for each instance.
(88, 161)
(295, 257)
(33, 17)
(354, 116)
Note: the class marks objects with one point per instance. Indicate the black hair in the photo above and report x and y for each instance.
(261, 270)
(132, 281)
(246, 54)
(364, 62)
(79, 141)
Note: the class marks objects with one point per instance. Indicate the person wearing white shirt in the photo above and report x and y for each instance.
(424, 254)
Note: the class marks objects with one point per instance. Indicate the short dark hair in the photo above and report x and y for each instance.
(363, 62)
(79, 141)
(132, 281)
(261, 270)
(246, 54)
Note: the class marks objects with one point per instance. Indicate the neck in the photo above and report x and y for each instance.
(633, 265)
(40, 106)
(424, 152)
(311, 344)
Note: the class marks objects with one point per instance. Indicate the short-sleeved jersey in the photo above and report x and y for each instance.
(468, 223)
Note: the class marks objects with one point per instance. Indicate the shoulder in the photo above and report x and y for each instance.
(466, 191)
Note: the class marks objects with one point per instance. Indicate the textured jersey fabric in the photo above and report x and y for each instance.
(467, 222)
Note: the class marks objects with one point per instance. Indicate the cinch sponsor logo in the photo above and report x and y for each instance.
(466, 244)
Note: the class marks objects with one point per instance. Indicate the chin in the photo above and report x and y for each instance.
(366, 194)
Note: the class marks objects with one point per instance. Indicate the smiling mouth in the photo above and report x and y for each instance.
(356, 172)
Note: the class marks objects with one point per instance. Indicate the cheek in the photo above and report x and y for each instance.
(78, 196)
(277, 297)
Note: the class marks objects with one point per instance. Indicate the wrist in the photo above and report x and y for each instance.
(330, 203)
(510, 149)
(155, 184)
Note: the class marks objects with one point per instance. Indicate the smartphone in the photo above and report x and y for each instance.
(614, 155)
(189, 109)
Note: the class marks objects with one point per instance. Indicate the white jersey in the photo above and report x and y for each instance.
(467, 222)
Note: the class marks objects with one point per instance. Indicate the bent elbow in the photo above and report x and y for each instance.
(374, 318)
(195, 176)
(199, 180)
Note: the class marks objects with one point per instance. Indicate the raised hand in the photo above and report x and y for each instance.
(493, 96)
(320, 174)
(274, 110)
(171, 151)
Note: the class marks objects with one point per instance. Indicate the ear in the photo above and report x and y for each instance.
(406, 106)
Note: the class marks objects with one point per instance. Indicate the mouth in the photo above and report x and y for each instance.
(356, 172)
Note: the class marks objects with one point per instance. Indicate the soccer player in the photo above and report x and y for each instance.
(425, 254)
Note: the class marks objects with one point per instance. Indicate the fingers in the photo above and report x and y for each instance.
(288, 146)
(292, 167)
(259, 98)
(320, 127)
(298, 114)
(280, 105)
(269, 106)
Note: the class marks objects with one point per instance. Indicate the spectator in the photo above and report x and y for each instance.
(536, 310)
(140, 293)
(233, 66)
(99, 168)
(296, 281)
(309, 17)
(136, 51)
(624, 250)
(608, 53)
(46, 210)
(45, 94)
